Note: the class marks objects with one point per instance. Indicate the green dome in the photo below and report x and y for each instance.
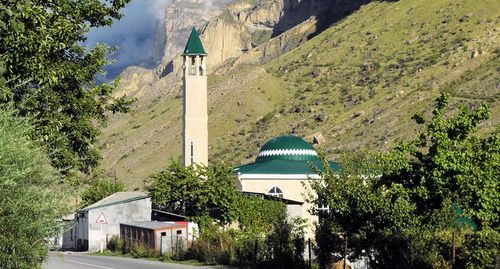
(291, 148)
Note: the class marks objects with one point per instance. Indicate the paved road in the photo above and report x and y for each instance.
(84, 261)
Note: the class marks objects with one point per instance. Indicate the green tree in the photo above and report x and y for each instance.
(32, 198)
(447, 164)
(266, 238)
(400, 207)
(51, 76)
(195, 190)
(99, 189)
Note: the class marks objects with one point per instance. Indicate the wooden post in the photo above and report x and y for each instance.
(102, 240)
(345, 252)
(453, 235)
(256, 249)
(309, 250)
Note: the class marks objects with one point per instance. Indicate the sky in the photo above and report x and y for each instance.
(133, 35)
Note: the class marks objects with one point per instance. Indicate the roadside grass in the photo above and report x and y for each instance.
(162, 258)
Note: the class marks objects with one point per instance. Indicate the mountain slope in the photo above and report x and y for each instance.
(358, 83)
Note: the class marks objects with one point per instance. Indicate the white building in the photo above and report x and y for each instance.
(117, 208)
(283, 169)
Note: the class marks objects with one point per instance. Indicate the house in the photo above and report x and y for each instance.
(65, 238)
(98, 222)
(163, 237)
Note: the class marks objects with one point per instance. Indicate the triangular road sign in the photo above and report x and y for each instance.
(101, 219)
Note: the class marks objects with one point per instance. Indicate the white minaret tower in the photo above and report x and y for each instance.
(195, 116)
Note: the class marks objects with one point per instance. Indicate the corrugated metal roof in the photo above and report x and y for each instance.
(117, 198)
(153, 224)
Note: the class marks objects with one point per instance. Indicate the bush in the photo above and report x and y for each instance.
(201, 250)
(179, 250)
(139, 250)
(115, 244)
(223, 257)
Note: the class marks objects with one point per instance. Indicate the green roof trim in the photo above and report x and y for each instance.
(194, 45)
(286, 167)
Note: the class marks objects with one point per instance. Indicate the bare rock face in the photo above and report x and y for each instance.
(223, 39)
(148, 85)
(181, 16)
(318, 138)
(234, 33)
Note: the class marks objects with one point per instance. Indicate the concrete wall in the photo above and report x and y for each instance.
(82, 230)
(69, 235)
(173, 238)
(292, 188)
(139, 210)
(294, 211)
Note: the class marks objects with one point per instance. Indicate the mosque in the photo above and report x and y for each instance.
(282, 167)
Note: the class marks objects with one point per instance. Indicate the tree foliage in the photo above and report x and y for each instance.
(400, 207)
(264, 237)
(99, 189)
(196, 191)
(51, 76)
(31, 197)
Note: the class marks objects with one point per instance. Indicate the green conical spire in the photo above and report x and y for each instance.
(194, 45)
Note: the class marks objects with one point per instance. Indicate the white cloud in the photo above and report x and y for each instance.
(134, 34)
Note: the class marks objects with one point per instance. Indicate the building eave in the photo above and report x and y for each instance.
(279, 176)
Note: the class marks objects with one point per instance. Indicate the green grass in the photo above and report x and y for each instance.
(108, 253)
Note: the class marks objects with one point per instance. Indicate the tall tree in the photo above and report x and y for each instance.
(405, 214)
(50, 74)
(32, 198)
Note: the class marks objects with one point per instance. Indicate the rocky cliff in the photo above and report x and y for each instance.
(234, 33)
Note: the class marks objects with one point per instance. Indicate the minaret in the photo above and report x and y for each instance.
(195, 115)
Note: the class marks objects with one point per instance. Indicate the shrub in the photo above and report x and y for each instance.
(139, 250)
(115, 244)
(199, 250)
(179, 250)
(223, 257)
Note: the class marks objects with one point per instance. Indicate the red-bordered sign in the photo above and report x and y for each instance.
(101, 219)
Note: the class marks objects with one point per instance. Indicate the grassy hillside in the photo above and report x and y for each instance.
(358, 83)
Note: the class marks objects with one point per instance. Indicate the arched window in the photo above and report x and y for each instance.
(275, 191)
(202, 66)
(192, 69)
